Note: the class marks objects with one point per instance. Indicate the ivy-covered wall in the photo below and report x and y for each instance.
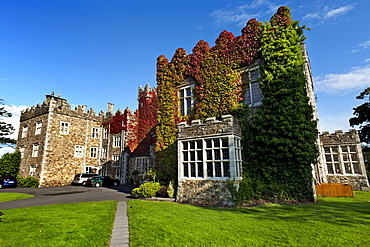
(279, 140)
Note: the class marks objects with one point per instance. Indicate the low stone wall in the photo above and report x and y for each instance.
(210, 193)
(358, 182)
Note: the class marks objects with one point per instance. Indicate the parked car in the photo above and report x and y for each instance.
(8, 182)
(101, 181)
(81, 178)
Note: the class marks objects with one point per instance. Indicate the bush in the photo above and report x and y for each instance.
(28, 182)
(146, 190)
(162, 192)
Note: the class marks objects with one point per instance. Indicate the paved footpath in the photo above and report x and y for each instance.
(120, 233)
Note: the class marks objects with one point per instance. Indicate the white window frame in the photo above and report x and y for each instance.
(217, 157)
(254, 96)
(95, 132)
(93, 152)
(21, 150)
(142, 164)
(116, 141)
(24, 131)
(104, 152)
(186, 97)
(79, 151)
(64, 128)
(32, 172)
(38, 127)
(342, 160)
(105, 133)
(35, 149)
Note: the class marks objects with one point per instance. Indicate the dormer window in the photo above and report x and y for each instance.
(253, 94)
(186, 100)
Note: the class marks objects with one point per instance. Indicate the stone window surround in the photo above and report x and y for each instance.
(32, 170)
(234, 161)
(35, 149)
(252, 82)
(116, 141)
(95, 132)
(38, 127)
(79, 151)
(64, 128)
(105, 133)
(24, 131)
(104, 152)
(186, 99)
(93, 152)
(337, 162)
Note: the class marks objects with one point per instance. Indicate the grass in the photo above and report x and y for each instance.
(75, 224)
(329, 222)
(4, 197)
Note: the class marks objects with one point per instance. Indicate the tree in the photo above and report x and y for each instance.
(5, 128)
(9, 164)
(362, 116)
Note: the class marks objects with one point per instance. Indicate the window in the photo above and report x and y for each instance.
(105, 133)
(186, 100)
(95, 132)
(79, 151)
(38, 127)
(253, 94)
(64, 128)
(210, 157)
(115, 158)
(93, 152)
(116, 141)
(117, 173)
(342, 160)
(35, 150)
(142, 164)
(24, 131)
(21, 150)
(32, 170)
(104, 153)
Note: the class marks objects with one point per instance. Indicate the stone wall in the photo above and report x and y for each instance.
(358, 182)
(212, 193)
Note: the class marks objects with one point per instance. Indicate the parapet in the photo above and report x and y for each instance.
(340, 137)
(211, 126)
(59, 105)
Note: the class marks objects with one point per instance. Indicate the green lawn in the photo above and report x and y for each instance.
(75, 224)
(330, 222)
(4, 197)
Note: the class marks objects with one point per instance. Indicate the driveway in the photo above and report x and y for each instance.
(65, 194)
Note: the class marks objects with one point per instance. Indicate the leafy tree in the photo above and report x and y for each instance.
(5, 128)
(9, 164)
(362, 116)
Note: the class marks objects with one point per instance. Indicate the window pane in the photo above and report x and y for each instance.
(199, 144)
(200, 169)
(356, 168)
(192, 155)
(334, 149)
(327, 150)
(199, 155)
(345, 157)
(182, 107)
(352, 148)
(217, 154)
(226, 169)
(218, 169)
(225, 154)
(328, 158)
(192, 144)
(216, 143)
(209, 155)
(247, 96)
(337, 168)
(186, 158)
(188, 91)
(225, 142)
(335, 157)
(209, 169)
(182, 91)
(185, 146)
(354, 157)
(186, 172)
(254, 75)
(192, 169)
(209, 143)
(348, 168)
(256, 92)
(344, 149)
(188, 106)
(330, 168)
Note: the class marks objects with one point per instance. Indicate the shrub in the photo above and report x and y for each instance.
(171, 190)
(28, 182)
(162, 192)
(146, 190)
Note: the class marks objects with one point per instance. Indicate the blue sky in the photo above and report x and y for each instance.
(95, 52)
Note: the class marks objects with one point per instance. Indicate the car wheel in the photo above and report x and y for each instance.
(1, 186)
(97, 185)
(84, 183)
(115, 184)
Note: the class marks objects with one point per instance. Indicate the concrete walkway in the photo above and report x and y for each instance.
(120, 233)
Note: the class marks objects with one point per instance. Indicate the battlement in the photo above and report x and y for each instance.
(211, 126)
(340, 136)
(146, 89)
(59, 105)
